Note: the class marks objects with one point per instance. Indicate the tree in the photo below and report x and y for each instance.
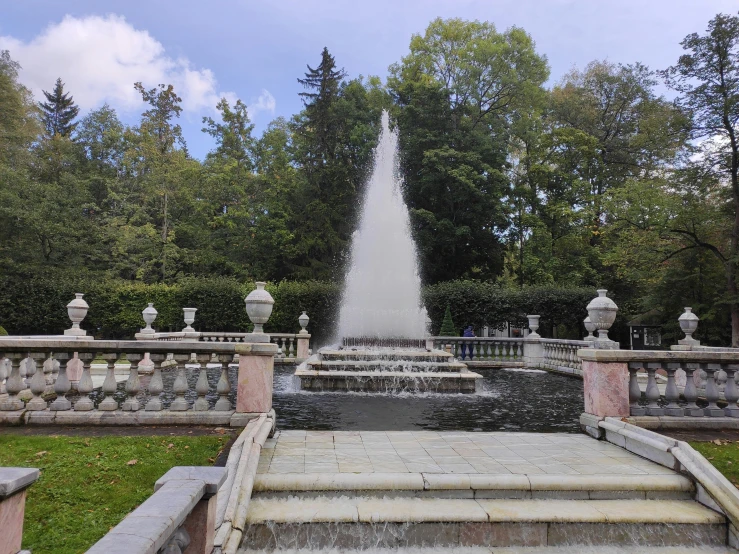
(59, 111)
(707, 78)
(447, 325)
(457, 92)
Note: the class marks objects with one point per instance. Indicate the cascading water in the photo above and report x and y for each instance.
(382, 296)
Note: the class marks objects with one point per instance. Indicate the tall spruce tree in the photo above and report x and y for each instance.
(59, 111)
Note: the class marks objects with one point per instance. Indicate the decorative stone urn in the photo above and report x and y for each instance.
(688, 323)
(189, 315)
(259, 304)
(77, 310)
(533, 325)
(149, 314)
(589, 327)
(602, 313)
(303, 320)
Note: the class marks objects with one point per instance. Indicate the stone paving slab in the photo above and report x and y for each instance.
(519, 550)
(452, 452)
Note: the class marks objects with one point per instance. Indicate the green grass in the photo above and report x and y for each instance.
(724, 455)
(88, 484)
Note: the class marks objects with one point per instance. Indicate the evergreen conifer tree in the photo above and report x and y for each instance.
(447, 325)
(59, 111)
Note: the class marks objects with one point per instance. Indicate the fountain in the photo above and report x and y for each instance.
(382, 322)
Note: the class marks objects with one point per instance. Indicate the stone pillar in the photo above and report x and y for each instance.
(606, 388)
(74, 370)
(13, 484)
(303, 342)
(533, 351)
(256, 370)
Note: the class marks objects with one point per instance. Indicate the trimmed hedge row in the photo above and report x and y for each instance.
(38, 305)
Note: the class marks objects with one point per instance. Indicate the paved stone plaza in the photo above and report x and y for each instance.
(448, 452)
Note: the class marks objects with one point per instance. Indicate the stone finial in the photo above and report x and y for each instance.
(533, 325)
(189, 316)
(688, 323)
(149, 314)
(589, 327)
(303, 320)
(259, 305)
(602, 313)
(77, 310)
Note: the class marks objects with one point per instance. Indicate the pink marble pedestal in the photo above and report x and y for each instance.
(606, 388)
(255, 379)
(303, 342)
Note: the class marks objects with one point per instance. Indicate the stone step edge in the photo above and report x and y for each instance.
(371, 510)
(299, 482)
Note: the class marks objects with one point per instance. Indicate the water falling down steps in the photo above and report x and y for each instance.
(386, 370)
(642, 508)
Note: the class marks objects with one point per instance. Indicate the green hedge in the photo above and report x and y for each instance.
(38, 305)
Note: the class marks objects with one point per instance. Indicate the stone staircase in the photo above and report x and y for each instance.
(383, 370)
(489, 511)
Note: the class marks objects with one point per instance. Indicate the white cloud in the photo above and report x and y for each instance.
(265, 103)
(100, 58)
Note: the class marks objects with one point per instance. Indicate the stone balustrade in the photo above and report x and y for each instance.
(179, 517)
(483, 350)
(196, 393)
(611, 383)
(561, 355)
(13, 484)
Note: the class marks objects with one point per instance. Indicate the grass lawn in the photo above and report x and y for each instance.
(724, 455)
(88, 484)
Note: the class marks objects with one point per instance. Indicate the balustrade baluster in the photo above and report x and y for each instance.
(671, 394)
(62, 385)
(730, 392)
(712, 410)
(653, 408)
(109, 403)
(224, 387)
(133, 383)
(291, 348)
(13, 385)
(84, 387)
(691, 392)
(519, 351)
(180, 387)
(37, 383)
(496, 354)
(635, 408)
(202, 386)
(4, 373)
(156, 385)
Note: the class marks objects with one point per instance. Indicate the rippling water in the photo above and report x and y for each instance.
(510, 400)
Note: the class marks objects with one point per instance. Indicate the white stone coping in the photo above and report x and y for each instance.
(13, 344)
(714, 490)
(15, 479)
(626, 356)
(148, 528)
(235, 497)
(213, 477)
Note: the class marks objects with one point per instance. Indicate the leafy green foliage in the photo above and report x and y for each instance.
(89, 484)
(59, 111)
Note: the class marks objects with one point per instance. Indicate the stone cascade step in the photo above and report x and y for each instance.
(515, 550)
(387, 381)
(387, 355)
(368, 523)
(397, 366)
(473, 486)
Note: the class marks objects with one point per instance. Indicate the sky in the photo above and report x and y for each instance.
(256, 49)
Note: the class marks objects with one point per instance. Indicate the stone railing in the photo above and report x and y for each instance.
(290, 346)
(179, 517)
(561, 355)
(612, 387)
(483, 350)
(13, 484)
(189, 393)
